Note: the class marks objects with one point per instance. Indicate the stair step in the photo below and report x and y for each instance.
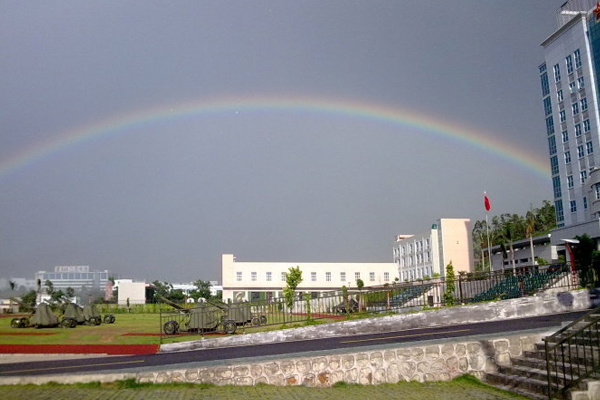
(515, 382)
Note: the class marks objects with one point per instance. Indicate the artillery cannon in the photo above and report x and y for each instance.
(203, 318)
(76, 315)
(42, 317)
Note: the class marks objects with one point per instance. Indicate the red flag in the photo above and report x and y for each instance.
(488, 207)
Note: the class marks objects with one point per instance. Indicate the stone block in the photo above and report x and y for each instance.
(417, 353)
(191, 375)
(348, 361)
(476, 362)
(376, 359)
(243, 380)
(145, 377)
(423, 367)
(177, 376)
(393, 374)
(287, 367)
(271, 369)
(319, 364)
(303, 366)
(389, 356)
(206, 375)
(261, 379)
(362, 359)
(309, 380)
(277, 379)
(403, 354)
(351, 376)
(473, 348)
(223, 373)
(256, 370)
(447, 350)
(460, 350)
(163, 377)
(379, 376)
(335, 363)
(336, 376)
(500, 345)
(432, 352)
(241, 370)
(463, 364)
(323, 379)
(408, 368)
(365, 376)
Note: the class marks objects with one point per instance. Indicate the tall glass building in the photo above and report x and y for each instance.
(569, 83)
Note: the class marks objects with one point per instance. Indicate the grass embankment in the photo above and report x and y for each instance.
(464, 388)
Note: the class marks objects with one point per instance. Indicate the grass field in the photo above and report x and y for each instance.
(464, 388)
(123, 331)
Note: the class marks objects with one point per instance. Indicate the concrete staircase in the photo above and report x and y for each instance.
(527, 374)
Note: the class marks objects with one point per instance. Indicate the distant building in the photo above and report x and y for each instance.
(130, 292)
(266, 280)
(428, 253)
(542, 249)
(78, 277)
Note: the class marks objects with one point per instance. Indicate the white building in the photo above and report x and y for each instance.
(569, 79)
(542, 249)
(74, 276)
(427, 254)
(266, 280)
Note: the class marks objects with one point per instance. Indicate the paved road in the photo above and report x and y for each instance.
(282, 349)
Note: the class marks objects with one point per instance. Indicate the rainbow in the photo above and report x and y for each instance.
(491, 144)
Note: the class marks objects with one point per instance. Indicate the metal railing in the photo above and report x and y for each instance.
(219, 318)
(573, 354)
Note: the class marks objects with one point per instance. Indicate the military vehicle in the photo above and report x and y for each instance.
(76, 315)
(206, 317)
(43, 317)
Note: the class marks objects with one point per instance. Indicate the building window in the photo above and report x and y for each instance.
(570, 181)
(556, 186)
(580, 152)
(313, 276)
(269, 277)
(569, 61)
(583, 103)
(558, 206)
(577, 56)
(575, 108)
(573, 206)
(386, 276)
(328, 276)
(559, 96)
(565, 136)
(283, 277)
(556, 73)
(545, 85)
(572, 87)
(578, 130)
(567, 157)
(372, 276)
(253, 276)
(343, 276)
(356, 276)
(561, 115)
(552, 144)
(549, 125)
(548, 107)
(586, 125)
(581, 82)
(238, 276)
(542, 68)
(597, 190)
(583, 176)
(585, 203)
(554, 165)
(589, 147)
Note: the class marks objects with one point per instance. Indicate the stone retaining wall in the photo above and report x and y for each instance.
(426, 362)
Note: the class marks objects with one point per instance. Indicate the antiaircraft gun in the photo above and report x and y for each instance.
(207, 317)
(76, 315)
(42, 317)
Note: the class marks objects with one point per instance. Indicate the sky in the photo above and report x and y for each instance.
(149, 137)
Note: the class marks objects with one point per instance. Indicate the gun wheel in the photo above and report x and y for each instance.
(263, 320)
(171, 327)
(66, 323)
(229, 327)
(255, 321)
(15, 323)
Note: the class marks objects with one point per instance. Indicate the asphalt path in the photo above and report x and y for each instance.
(219, 355)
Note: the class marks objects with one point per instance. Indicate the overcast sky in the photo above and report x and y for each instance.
(164, 198)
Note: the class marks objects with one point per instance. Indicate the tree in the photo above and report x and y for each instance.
(530, 223)
(70, 293)
(49, 287)
(359, 285)
(449, 299)
(292, 279)
(202, 290)
(29, 299)
(12, 285)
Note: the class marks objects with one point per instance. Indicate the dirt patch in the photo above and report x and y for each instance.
(113, 349)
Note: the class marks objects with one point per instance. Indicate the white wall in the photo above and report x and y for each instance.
(134, 291)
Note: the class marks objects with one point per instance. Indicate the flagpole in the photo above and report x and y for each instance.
(487, 228)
